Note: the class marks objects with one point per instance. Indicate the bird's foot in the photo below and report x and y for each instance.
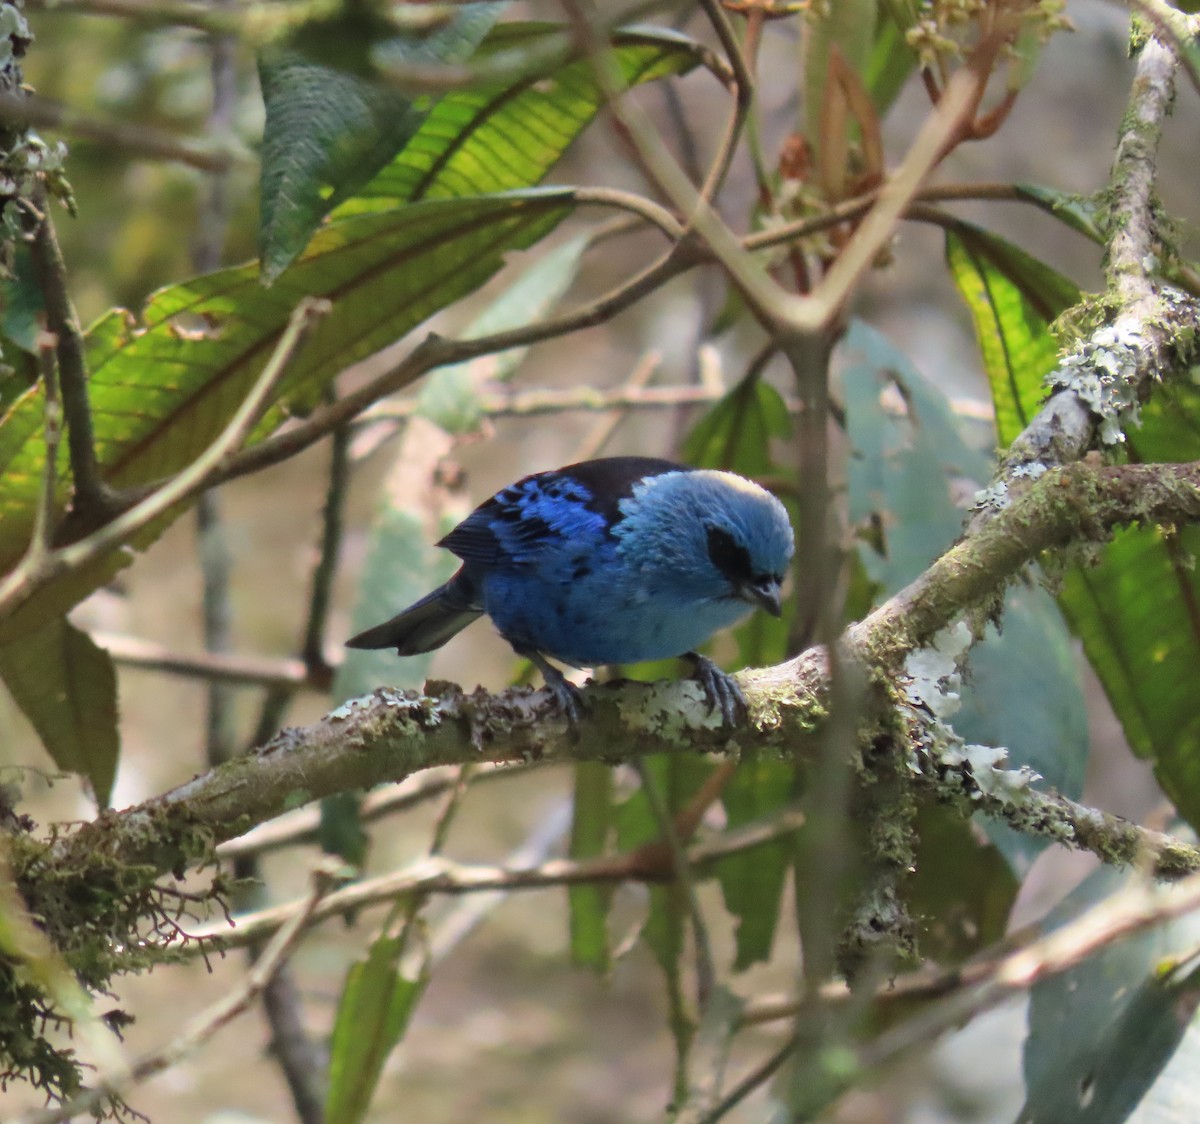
(568, 697)
(720, 688)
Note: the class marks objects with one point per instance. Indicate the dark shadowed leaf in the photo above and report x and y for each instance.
(962, 889)
(163, 390)
(376, 1004)
(328, 131)
(1100, 1034)
(1013, 298)
(67, 687)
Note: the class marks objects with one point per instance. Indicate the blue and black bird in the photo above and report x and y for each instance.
(617, 560)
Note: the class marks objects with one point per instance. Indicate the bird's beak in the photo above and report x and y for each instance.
(765, 596)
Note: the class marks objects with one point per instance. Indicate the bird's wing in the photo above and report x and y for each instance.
(542, 511)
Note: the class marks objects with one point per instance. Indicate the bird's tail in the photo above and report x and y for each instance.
(428, 624)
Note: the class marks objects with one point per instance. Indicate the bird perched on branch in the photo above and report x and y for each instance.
(617, 560)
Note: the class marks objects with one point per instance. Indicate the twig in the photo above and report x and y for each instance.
(435, 351)
(43, 527)
(1132, 910)
(743, 92)
(216, 562)
(602, 431)
(1140, 340)
(301, 826)
(256, 671)
(312, 648)
(397, 734)
(91, 493)
(138, 141)
(438, 875)
(204, 1026)
(259, 22)
(24, 582)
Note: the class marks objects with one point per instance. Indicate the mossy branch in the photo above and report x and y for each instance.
(389, 735)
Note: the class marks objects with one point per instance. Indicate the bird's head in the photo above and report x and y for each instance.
(720, 535)
(747, 537)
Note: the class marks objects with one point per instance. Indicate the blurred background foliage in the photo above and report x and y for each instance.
(536, 1038)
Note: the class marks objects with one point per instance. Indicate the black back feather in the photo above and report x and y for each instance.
(604, 483)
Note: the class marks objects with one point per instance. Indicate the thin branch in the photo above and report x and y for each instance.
(743, 91)
(396, 734)
(302, 826)
(604, 428)
(253, 671)
(320, 598)
(204, 1026)
(1132, 910)
(439, 875)
(138, 141)
(1097, 387)
(43, 528)
(91, 493)
(435, 351)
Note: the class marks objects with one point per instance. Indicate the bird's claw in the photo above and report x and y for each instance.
(569, 699)
(720, 688)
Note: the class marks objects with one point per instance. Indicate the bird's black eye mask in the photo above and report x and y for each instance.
(732, 559)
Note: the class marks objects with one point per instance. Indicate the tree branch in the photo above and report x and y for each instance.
(390, 735)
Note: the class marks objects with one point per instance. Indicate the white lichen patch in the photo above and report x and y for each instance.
(995, 497)
(1103, 373)
(934, 673)
(934, 682)
(347, 709)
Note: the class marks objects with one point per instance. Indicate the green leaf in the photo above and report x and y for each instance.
(892, 60)
(502, 136)
(590, 826)
(1013, 298)
(1134, 611)
(67, 687)
(1080, 213)
(736, 433)
(752, 882)
(903, 465)
(161, 393)
(376, 1004)
(327, 131)
(1100, 1033)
